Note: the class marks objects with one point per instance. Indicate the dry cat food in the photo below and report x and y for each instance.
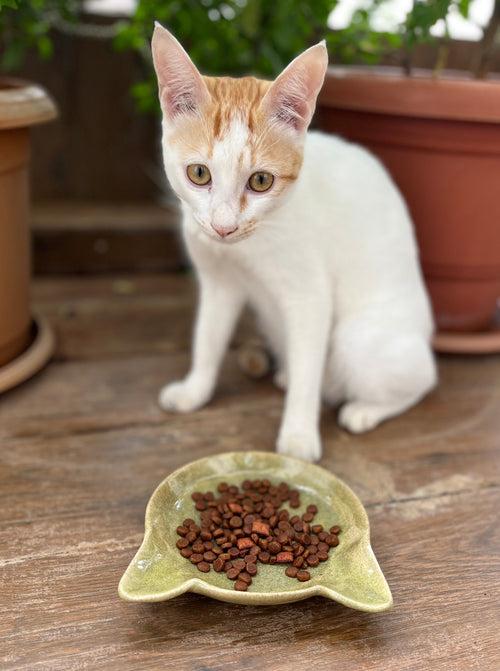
(242, 527)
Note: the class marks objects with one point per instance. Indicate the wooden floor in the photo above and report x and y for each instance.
(84, 444)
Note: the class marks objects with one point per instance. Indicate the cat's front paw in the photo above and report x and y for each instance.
(183, 396)
(302, 445)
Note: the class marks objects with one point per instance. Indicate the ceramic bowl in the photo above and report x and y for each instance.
(351, 575)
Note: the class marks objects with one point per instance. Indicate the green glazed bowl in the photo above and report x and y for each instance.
(351, 575)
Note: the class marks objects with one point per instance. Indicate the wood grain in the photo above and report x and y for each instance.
(84, 444)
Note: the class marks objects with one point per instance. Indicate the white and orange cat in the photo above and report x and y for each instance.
(306, 229)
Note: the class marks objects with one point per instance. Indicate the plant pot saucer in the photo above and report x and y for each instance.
(34, 357)
(486, 342)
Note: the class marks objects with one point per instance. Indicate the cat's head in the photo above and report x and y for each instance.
(233, 147)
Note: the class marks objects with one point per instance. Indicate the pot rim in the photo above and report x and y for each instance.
(386, 90)
(24, 103)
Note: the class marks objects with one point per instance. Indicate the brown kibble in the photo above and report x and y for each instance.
(313, 560)
(235, 507)
(303, 576)
(197, 496)
(241, 586)
(260, 528)
(235, 522)
(284, 557)
(274, 547)
(196, 558)
(240, 528)
(244, 543)
(203, 566)
(218, 565)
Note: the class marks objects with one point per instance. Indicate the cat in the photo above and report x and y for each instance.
(305, 228)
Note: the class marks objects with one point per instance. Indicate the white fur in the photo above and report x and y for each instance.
(334, 279)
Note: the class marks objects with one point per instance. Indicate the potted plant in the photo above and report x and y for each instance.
(438, 133)
(25, 344)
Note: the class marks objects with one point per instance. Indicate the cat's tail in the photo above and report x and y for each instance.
(254, 359)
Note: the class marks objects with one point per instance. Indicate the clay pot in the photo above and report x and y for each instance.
(440, 140)
(21, 105)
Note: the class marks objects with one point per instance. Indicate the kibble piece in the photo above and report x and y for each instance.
(186, 552)
(218, 565)
(233, 552)
(246, 577)
(235, 522)
(244, 543)
(335, 530)
(203, 566)
(298, 561)
(313, 560)
(322, 556)
(332, 540)
(284, 557)
(291, 572)
(232, 573)
(252, 569)
(200, 505)
(303, 576)
(260, 528)
(182, 543)
(317, 528)
(209, 556)
(197, 496)
(196, 558)
(182, 530)
(239, 564)
(274, 547)
(241, 586)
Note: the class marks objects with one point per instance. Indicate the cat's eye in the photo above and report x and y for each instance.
(261, 181)
(199, 174)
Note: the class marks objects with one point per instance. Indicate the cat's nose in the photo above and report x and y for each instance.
(223, 231)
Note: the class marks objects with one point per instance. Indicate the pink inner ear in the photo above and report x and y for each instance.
(292, 111)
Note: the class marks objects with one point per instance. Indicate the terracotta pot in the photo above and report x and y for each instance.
(440, 140)
(21, 105)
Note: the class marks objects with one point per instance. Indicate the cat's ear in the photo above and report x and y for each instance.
(181, 87)
(291, 98)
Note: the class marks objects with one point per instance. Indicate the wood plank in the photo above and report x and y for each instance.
(120, 315)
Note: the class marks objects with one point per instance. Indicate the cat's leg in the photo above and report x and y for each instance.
(384, 372)
(219, 307)
(307, 330)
